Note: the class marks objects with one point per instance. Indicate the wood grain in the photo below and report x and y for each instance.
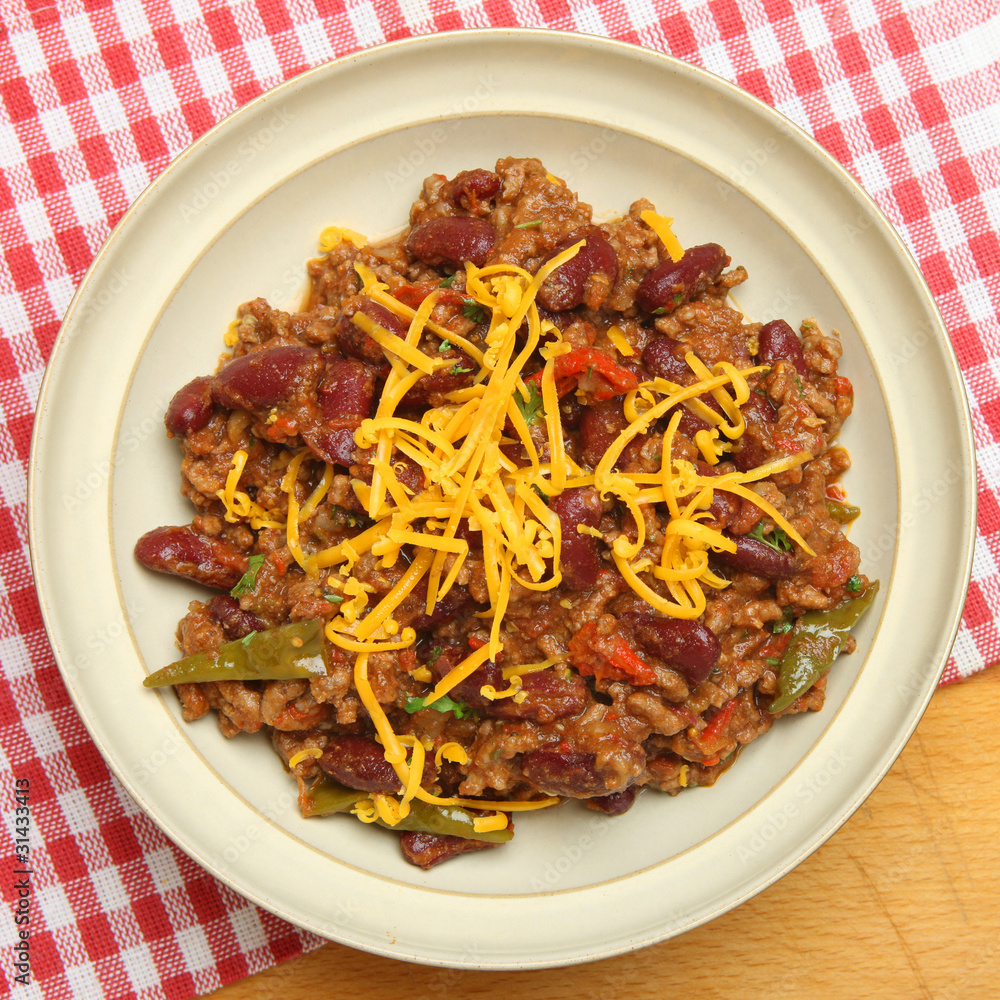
(903, 901)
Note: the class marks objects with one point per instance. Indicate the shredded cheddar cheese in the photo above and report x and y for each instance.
(468, 479)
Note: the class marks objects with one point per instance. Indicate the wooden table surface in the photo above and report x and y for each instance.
(903, 901)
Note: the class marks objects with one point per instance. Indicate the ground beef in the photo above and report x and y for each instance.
(616, 697)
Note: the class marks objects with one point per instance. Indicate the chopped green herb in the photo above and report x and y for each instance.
(785, 625)
(443, 704)
(543, 496)
(248, 637)
(353, 518)
(778, 541)
(433, 655)
(447, 283)
(460, 370)
(775, 661)
(854, 584)
(531, 408)
(529, 225)
(445, 345)
(471, 309)
(802, 391)
(249, 578)
(659, 310)
(678, 298)
(333, 598)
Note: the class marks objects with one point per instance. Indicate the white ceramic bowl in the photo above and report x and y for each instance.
(236, 216)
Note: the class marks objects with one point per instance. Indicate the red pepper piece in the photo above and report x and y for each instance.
(608, 657)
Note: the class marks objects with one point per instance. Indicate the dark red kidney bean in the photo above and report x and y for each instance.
(615, 804)
(181, 551)
(752, 448)
(469, 689)
(191, 407)
(757, 557)
(359, 762)
(549, 697)
(265, 377)
(672, 283)
(590, 275)
(688, 646)
(724, 508)
(472, 190)
(452, 240)
(453, 603)
(354, 342)
(600, 425)
(571, 773)
(474, 539)
(664, 357)
(235, 622)
(425, 850)
(346, 393)
(345, 397)
(570, 412)
(578, 553)
(777, 342)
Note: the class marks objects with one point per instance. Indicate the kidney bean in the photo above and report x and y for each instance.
(549, 697)
(450, 241)
(672, 283)
(724, 508)
(571, 773)
(454, 602)
(345, 397)
(599, 426)
(359, 762)
(472, 190)
(235, 622)
(354, 341)
(429, 849)
(757, 557)
(754, 446)
(578, 553)
(615, 804)
(664, 357)
(474, 539)
(469, 689)
(180, 551)
(191, 407)
(570, 412)
(263, 378)
(590, 275)
(777, 342)
(688, 646)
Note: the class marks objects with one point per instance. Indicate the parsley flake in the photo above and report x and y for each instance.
(854, 584)
(443, 704)
(778, 541)
(249, 578)
(471, 309)
(445, 345)
(531, 408)
(529, 225)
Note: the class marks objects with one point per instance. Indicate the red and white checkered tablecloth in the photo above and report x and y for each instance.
(96, 98)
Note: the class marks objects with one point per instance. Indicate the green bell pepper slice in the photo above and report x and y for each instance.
(277, 654)
(326, 797)
(815, 642)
